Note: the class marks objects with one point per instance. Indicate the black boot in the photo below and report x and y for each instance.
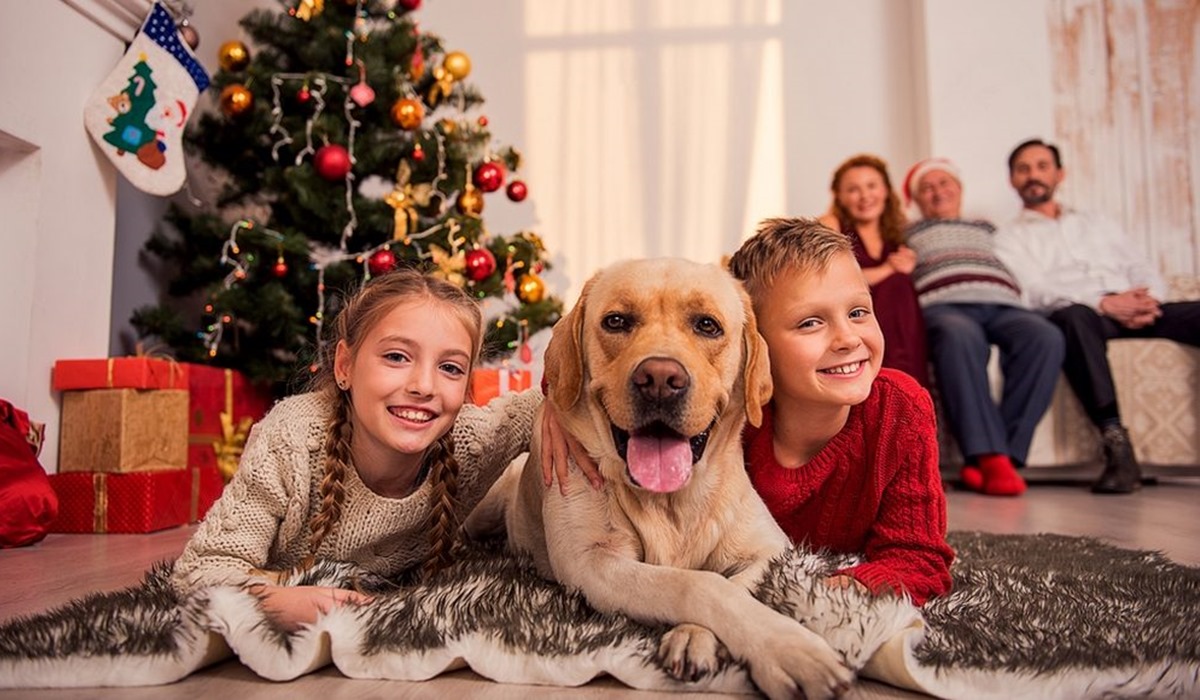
(1121, 471)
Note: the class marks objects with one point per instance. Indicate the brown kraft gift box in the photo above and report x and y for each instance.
(123, 430)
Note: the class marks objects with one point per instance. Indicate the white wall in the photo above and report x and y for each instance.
(989, 74)
(57, 197)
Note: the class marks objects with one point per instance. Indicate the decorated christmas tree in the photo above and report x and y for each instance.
(348, 143)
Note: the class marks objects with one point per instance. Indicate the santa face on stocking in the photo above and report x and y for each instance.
(137, 114)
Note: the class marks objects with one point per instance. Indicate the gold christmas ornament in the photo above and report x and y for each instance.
(307, 9)
(443, 84)
(449, 266)
(233, 56)
(531, 289)
(457, 64)
(448, 126)
(534, 240)
(470, 201)
(405, 198)
(236, 100)
(408, 113)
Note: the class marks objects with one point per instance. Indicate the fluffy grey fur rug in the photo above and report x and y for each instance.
(1044, 616)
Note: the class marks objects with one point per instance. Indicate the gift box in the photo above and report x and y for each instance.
(121, 503)
(214, 390)
(222, 406)
(119, 373)
(489, 382)
(206, 486)
(123, 430)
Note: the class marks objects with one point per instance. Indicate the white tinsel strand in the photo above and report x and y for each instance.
(318, 96)
(277, 119)
(348, 230)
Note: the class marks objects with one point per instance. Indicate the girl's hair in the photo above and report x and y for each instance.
(800, 246)
(360, 313)
(891, 224)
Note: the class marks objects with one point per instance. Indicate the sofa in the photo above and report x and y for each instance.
(1158, 387)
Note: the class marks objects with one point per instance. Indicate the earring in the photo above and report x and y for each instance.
(343, 384)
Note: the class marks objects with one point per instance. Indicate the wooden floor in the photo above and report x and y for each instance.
(1164, 517)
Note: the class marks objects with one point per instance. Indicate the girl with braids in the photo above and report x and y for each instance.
(865, 207)
(363, 468)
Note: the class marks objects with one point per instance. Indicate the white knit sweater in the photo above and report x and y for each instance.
(263, 518)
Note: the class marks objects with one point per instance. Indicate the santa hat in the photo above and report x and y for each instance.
(922, 168)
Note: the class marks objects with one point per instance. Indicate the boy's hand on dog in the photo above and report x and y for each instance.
(558, 449)
(293, 607)
(843, 581)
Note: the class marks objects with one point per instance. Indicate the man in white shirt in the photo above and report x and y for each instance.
(1095, 285)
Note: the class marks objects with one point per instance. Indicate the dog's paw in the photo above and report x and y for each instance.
(800, 665)
(690, 652)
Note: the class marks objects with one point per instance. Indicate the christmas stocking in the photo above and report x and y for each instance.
(137, 114)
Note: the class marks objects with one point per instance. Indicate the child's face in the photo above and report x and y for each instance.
(862, 193)
(824, 341)
(408, 380)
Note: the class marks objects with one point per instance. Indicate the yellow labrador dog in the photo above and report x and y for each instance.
(655, 371)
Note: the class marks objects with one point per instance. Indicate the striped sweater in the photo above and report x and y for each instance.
(957, 264)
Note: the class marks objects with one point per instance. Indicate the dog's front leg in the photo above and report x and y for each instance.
(784, 657)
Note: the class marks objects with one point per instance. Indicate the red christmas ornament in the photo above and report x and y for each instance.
(516, 191)
(489, 176)
(409, 5)
(332, 162)
(418, 153)
(381, 262)
(482, 120)
(480, 264)
(303, 95)
(281, 268)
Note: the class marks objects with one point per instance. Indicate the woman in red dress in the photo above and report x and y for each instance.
(866, 208)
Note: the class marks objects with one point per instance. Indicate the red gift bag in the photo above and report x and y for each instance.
(27, 502)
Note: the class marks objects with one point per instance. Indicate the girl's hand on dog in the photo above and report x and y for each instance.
(559, 448)
(292, 607)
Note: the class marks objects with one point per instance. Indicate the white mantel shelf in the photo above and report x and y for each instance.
(121, 18)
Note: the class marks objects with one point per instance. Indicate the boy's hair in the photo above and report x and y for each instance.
(785, 245)
(361, 312)
(1012, 157)
(892, 222)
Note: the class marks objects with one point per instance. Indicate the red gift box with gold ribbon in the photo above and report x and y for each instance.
(142, 372)
(489, 382)
(222, 406)
(100, 502)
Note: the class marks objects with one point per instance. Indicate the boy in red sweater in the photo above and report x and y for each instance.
(846, 458)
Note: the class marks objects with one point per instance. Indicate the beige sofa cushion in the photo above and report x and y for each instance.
(1158, 387)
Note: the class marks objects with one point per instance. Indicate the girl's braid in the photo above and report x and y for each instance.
(332, 491)
(443, 528)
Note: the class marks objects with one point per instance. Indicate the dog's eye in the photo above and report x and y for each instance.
(707, 326)
(617, 323)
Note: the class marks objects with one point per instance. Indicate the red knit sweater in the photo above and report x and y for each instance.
(874, 489)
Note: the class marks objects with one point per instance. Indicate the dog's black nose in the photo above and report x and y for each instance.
(659, 378)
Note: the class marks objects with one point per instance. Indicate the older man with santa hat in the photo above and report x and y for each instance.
(971, 302)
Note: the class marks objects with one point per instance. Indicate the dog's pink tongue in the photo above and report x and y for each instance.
(659, 463)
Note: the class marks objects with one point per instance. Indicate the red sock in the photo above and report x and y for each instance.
(971, 478)
(1000, 477)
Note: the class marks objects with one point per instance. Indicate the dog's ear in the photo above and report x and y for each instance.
(564, 356)
(757, 366)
